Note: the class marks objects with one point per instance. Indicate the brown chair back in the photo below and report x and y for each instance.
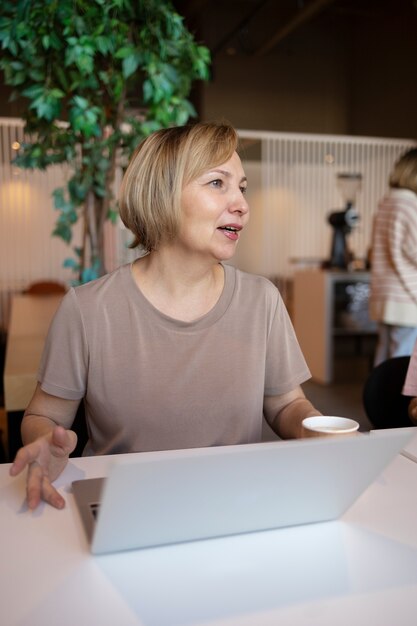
(44, 287)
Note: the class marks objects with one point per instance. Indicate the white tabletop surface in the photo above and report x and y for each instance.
(410, 449)
(360, 570)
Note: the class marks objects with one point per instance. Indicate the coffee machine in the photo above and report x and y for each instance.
(343, 221)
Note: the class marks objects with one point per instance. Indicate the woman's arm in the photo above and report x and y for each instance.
(284, 413)
(44, 412)
(47, 446)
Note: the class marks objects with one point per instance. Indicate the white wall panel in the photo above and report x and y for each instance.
(299, 190)
(291, 191)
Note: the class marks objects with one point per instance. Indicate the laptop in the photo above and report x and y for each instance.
(158, 498)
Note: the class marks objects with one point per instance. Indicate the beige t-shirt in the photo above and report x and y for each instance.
(150, 382)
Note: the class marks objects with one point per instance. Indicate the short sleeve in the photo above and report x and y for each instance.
(64, 363)
(286, 367)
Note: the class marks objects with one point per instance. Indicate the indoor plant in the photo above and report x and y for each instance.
(97, 76)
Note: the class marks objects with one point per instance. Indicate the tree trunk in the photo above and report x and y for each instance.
(95, 235)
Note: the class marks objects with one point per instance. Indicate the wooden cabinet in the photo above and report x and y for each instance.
(329, 305)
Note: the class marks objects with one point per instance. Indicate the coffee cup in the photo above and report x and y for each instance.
(328, 426)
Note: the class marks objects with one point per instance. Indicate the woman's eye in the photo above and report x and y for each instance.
(217, 183)
(243, 190)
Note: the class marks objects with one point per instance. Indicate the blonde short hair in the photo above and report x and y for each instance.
(166, 161)
(404, 173)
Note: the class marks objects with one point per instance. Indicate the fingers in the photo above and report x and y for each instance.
(51, 495)
(61, 444)
(24, 457)
(39, 488)
(45, 459)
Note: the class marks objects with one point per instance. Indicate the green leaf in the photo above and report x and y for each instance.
(72, 263)
(63, 231)
(113, 216)
(72, 217)
(36, 75)
(88, 274)
(130, 64)
(78, 189)
(59, 200)
(147, 90)
(33, 92)
(80, 102)
(104, 44)
(16, 65)
(124, 52)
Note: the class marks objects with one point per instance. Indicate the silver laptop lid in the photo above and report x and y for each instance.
(157, 498)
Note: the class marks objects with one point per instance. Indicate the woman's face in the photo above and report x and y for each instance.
(214, 211)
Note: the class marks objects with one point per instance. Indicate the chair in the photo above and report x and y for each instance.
(384, 404)
(44, 287)
(3, 458)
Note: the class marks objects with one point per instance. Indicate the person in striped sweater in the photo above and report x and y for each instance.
(393, 289)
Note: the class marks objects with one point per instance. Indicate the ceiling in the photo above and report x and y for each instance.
(258, 27)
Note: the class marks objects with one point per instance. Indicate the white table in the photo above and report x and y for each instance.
(410, 450)
(359, 570)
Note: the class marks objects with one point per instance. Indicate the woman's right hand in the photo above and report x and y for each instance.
(45, 458)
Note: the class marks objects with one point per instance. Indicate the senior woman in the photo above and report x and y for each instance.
(178, 349)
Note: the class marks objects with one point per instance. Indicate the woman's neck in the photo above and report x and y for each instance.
(181, 291)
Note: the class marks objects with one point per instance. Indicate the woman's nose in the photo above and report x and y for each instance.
(240, 204)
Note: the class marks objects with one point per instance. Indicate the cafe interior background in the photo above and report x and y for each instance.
(316, 88)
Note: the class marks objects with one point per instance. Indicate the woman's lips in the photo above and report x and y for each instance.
(231, 231)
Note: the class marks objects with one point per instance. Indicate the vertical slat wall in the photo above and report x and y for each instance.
(299, 180)
(297, 192)
(28, 252)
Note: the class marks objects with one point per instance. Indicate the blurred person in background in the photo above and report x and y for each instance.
(393, 290)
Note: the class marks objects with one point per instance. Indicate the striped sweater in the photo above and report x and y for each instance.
(393, 294)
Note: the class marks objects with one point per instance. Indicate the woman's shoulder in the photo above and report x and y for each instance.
(106, 288)
(254, 285)
(106, 281)
(250, 278)
(400, 197)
